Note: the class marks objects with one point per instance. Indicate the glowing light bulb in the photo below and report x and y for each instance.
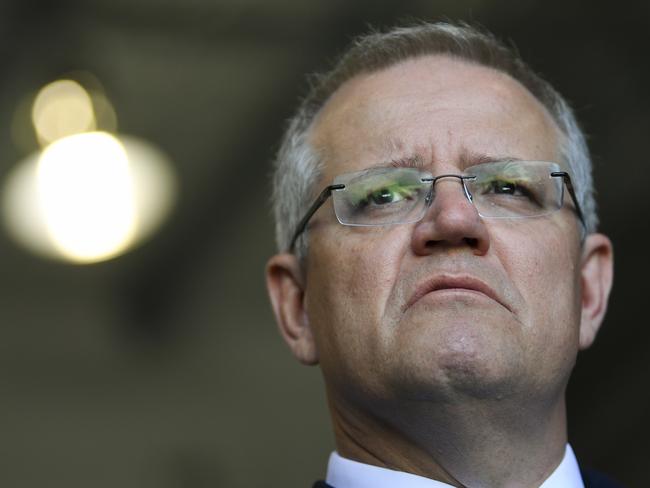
(62, 108)
(89, 197)
(86, 196)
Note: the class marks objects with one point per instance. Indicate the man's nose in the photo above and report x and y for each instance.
(451, 221)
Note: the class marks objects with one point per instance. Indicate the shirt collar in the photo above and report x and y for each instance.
(567, 474)
(345, 473)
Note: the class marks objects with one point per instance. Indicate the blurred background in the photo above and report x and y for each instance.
(151, 358)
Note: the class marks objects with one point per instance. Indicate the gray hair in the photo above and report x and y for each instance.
(298, 166)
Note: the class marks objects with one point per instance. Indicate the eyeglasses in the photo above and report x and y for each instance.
(401, 195)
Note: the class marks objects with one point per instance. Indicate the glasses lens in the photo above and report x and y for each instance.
(513, 189)
(381, 196)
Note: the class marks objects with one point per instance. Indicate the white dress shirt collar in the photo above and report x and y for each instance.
(345, 473)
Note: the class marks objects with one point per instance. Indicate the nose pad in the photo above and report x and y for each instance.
(457, 179)
(429, 198)
(469, 196)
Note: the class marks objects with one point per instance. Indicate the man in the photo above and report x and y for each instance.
(447, 312)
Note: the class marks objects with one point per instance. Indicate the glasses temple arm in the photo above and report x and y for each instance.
(322, 198)
(569, 184)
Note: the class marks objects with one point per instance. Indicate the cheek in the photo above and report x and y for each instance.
(349, 281)
(357, 268)
(544, 269)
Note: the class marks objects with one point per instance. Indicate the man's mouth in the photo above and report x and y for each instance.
(453, 282)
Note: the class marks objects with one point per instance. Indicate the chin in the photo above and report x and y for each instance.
(469, 377)
(443, 351)
(445, 367)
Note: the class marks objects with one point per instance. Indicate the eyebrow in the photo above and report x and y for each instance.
(416, 161)
(466, 160)
(471, 158)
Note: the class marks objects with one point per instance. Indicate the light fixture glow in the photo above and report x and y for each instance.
(88, 197)
(62, 108)
(85, 192)
(21, 210)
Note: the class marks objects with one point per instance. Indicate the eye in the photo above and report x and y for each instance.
(385, 195)
(503, 187)
(381, 194)
(389, 194)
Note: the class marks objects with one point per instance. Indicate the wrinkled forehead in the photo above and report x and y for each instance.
(445, 111)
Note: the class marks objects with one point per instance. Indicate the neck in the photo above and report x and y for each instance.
(493, 443)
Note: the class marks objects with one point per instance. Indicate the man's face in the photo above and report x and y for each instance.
(453, 304)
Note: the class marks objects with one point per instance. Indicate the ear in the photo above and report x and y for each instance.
(287, 292)
(596, 274)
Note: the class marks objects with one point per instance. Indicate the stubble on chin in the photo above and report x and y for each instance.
(463, 350)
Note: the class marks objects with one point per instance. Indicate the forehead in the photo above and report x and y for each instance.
(445, 111)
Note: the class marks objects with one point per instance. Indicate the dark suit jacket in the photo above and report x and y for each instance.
(592, 479)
